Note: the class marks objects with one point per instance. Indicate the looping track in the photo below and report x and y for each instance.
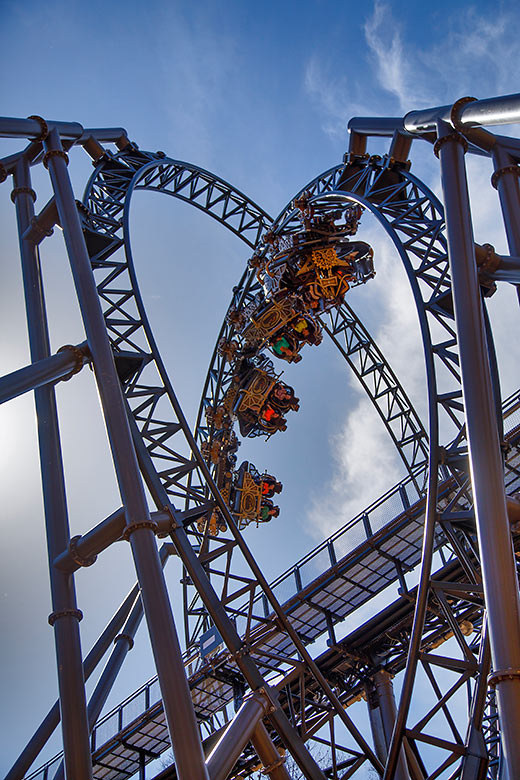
(413, 218)
(407, 210)
(426, 523)
(422, 584)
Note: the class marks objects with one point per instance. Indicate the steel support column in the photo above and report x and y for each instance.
(221, 619)
(67, 361)
(505, 179)
(496, 552)
(384, 691)
(175, 692)
(123, 642)
(51, 720)
(227, 751)
(65, 616)
(274, 763)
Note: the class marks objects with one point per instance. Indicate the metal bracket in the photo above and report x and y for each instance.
(75, 555)
(129, 529)
(451, 137)
(502, 674)
(54, 616)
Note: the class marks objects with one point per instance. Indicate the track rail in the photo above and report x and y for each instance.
(345, 572)
(413, 218)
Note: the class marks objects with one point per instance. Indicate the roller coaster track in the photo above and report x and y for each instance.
(106, 224)
(343, 574)
(412, 217)
(267, 630)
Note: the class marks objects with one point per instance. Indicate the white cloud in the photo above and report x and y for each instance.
(338, 97)
(475, 53)
(365, 461)
(365, 465)
(478, 54)
(392, 62)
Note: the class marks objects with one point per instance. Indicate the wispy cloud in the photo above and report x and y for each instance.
(365, 461)
(365, 465)
(392, 59)
(338, 97)
(198, 70)
(474, 52)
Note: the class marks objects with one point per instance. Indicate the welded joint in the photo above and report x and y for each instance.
(44, 127)
(23, 191)
(54, 153)
(80, 355)
(129, 529)
(453, 137)
(129, 639)
(502, 674)
(54, 616)
(76, 556)
(515, 169)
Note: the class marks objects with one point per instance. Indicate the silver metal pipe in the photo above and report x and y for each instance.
(382, 126)
(103, 134)
(52, 719)
(385, 695)
(491, 111)
(65, 616)
(274, 763)
(49, 370)
(84, 549)
(11, 127)
(496, 551)
(123, 642)
(42, 225)
(506, 181)
(178, 705)
(227, 751)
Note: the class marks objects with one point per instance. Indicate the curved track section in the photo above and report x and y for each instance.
(414, 220)
(147, 387)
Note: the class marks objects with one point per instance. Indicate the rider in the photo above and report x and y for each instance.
(281, 346)
(268, 510)
(270, 486)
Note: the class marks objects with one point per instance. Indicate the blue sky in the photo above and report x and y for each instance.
(260, 94)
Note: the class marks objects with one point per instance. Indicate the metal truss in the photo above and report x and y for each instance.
(145, 380)
(283, 696)
(342, 574)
